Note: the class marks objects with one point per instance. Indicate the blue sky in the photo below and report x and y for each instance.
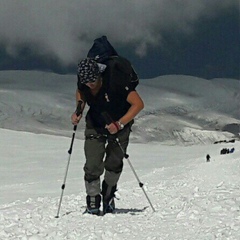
(198, 38)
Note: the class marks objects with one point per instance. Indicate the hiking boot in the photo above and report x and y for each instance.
(109, 207)
(93, 204)
(108, 194)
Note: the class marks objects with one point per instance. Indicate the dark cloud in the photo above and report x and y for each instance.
(66, 28)
(55, 34)
(211, 51)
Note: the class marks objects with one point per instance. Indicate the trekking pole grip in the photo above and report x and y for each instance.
(79, 109)
(78, 112)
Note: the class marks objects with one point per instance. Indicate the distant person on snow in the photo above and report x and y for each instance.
(99, 87)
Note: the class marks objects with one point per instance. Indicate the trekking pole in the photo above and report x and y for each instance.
(78, 112)
(126, 156)
(109, 120)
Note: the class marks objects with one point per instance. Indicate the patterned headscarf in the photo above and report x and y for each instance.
(88, 70)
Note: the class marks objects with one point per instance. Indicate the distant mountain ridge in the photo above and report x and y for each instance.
(178, 109)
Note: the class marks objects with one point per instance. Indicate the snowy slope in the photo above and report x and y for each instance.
(36, 101)
(193, 199)
(198, 106)
(183, 117)
(43, 102)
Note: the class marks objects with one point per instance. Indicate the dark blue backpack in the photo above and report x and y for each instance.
(119, 69)
(101, 50)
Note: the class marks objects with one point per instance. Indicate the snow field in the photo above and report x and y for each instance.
(192, 198)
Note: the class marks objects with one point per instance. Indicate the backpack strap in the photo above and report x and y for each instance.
(119, 76)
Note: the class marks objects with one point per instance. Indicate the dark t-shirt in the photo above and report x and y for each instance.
(111, 98)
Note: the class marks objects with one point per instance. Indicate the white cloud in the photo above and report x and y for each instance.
(68, 28)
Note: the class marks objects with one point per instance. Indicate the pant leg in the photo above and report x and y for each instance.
(94, 149)
(114, 157)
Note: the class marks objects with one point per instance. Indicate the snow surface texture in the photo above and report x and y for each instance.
(183, 117)
(193, 199)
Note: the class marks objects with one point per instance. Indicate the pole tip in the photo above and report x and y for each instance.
(57, 217)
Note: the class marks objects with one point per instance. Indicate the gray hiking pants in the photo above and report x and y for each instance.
(101, 154)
